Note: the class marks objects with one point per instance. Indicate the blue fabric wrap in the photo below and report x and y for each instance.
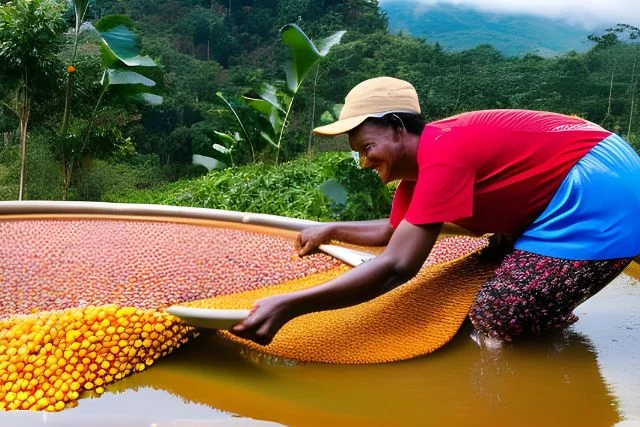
(595, 213)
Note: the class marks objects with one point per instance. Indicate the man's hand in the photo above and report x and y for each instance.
(309, 239)
(267, 317)
(401, 260)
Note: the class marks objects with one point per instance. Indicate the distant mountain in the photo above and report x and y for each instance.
(458, 28)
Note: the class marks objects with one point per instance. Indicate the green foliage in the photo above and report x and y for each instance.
(121, 59)
(367, 197)
(331, 115)
(117, 178)
(208, 48)
(304, 53)
(30, 38)
(230, 142)
(80, 8)
(119, 44)
(234, 142)
(123, 74)
(104, 178)
(612, 36)
(42, 181)
(291, 189)
(221, 46)
(275, 104)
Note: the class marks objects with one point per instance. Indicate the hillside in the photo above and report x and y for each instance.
(458, 28)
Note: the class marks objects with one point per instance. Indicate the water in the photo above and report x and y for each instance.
(588, 375)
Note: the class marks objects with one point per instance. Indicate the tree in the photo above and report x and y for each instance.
(620, 35)
(30, 40)
(203, 27)
(124, 73)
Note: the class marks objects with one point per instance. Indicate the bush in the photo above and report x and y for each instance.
(113, 181)
(106, 180)
(42, 175)
(291, 189)
(367, 197)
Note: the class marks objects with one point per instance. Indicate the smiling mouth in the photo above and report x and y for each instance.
(379, 170)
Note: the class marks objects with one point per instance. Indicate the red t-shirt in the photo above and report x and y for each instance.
(492, 171)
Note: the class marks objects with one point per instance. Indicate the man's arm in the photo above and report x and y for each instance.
(364, 233)
(402, 259)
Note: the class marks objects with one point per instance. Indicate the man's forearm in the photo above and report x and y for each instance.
(365, 233)
(401, 260)
(356, 286)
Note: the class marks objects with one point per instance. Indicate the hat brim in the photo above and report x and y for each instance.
(341, 126)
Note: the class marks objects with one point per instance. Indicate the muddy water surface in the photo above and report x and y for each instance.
(588, 375)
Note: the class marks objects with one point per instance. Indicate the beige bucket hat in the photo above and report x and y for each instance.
(373, 98)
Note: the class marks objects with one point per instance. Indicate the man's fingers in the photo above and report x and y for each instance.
(308, 247)
(259, 333)
(249, 322)
(239, 327)
(263, 334)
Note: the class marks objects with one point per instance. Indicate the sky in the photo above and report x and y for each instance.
(587, 13)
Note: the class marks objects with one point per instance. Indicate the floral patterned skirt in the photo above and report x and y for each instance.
(531, 293)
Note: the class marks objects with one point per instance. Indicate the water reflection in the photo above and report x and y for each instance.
(553, 380)
(550, 381)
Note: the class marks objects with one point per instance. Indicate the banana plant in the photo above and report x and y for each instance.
(124, 67)
(270, 105)
(275, 104)
(125, 73)
(244, 130)
(231, 142)
(80, 8)
(119, 51)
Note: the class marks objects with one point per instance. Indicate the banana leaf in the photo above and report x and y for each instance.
(269, 139)
(120, 77)
(128, 84)
(118, 43)
(230, 140)
(304, 53)
(267, 109)
(270, 94)
(80, 9)
(221, 148)
(335, 191)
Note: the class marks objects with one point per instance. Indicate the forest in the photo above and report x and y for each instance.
(110, 100)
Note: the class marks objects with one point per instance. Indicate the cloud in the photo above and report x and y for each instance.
(588, 13)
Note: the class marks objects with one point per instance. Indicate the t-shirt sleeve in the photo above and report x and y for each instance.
(401, 200)
(443, 193)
